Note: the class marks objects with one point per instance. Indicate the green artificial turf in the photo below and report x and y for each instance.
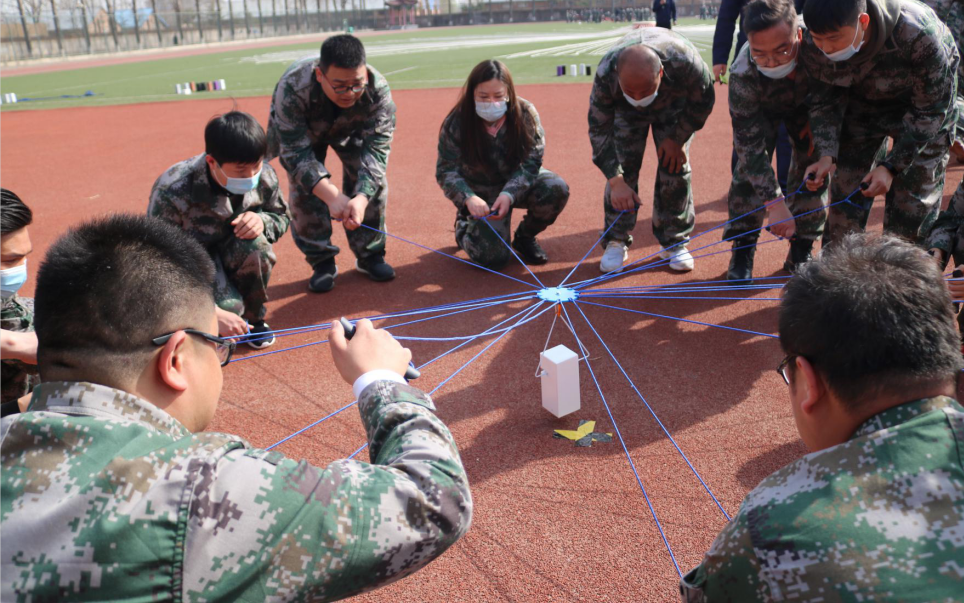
(423, 58)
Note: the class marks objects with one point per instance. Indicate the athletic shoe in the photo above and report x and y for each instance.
(376, 268)
(530, 250)
(260, 335)
(612, 260)
(323, 279)
(679, 258)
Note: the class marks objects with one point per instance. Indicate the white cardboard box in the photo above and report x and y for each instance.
(560, 380)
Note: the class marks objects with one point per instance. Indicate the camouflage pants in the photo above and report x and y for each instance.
(544, 201)
(242, 270)
(311, 222)
(745, 205)
(17, 379)
(673, 212)
(914, 198)
(954, 18)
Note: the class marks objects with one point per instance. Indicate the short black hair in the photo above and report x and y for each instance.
(14, 213)
(873, 315)
(760, 15)
(343, 51)
(827, 16)
(108, 287)
(235, 137)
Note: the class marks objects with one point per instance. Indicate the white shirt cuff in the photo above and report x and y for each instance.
(371, 377)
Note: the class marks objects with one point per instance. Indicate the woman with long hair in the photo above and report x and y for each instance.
(490, 162)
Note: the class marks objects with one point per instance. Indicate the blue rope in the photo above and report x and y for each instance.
(705, 232)
(512, 251)
(601, 237)
(447, 379)
(530, 285)
(306, 428)
(695, 322)
(681, 297)
(652, 412)
(622, 442)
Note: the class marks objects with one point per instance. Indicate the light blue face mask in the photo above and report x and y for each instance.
(778, 73)
(240, 186)
(12, 279)
(491, 111)
(846, 53)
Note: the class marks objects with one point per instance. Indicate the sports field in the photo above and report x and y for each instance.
(616, 521)
(427, 58)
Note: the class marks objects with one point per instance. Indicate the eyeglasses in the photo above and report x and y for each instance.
(354, 88)
(775, 59)
(224, 347)
(784, 366)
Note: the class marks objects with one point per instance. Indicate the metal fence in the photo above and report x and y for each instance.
(33, 29)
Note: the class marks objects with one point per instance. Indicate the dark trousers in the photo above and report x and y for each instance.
(783, 151)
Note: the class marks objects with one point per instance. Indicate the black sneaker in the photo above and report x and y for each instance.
(260, 335)
(529, 250)
(376, 268)
(740, 271)
(800, 253)
(323, 279)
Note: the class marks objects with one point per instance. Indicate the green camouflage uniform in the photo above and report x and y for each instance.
(304, 123)
(758, 105)
(951, 12)
(16, 378)
(948, 231)
(618, 131)
(541, 192)
(903, 85)
(186, 196)
(877, 518)
(107, 497)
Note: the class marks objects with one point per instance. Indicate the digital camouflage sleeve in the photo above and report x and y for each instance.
(106, 497)
(303, 120)
(685, 96)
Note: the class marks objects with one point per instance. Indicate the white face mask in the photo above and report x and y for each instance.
(849, 51)
(643, 102)
(491, 111)
(778, 73)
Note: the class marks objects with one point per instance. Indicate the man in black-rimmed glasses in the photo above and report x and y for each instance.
(877, 510)
(112, 490)
(340, 103)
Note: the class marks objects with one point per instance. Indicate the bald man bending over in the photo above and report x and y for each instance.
(651, 78)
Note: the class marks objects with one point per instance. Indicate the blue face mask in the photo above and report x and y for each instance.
(240, 186)
(846, 53)
(12, 279)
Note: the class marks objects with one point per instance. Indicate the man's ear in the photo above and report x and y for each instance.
(172, 362)
(864, 19)
(812, 387)
(318, 74)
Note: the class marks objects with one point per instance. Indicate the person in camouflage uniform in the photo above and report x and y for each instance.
(652, 78)
(337, 102)
(235, 219)
(880, 68)
(18, 371)
(951, 12)
(768, 88)
(490, 160)
(875, 512)
(183, 514)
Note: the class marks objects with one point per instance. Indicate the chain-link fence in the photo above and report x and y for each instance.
(32, 29)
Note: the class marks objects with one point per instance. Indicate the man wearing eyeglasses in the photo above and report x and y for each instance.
(767, 88)
(341, 103)
(879, 69)
(113, 491)
(876, 511)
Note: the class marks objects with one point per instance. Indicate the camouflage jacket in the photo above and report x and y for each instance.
(459, 181)
(186, 196)
(107, 497)
(16, 378)
(904, 79)
(303, 121)
(684, 100)
(947, 234)
(879, 517)
(757, 105)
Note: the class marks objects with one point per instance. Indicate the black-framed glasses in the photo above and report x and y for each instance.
(779, 58)
(354, 88)
(784, 365)
(224, 347)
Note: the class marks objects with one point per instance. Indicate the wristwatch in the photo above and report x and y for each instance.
(889, 166)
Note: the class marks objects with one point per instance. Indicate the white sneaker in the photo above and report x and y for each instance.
(679, 258)
(612, 260)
